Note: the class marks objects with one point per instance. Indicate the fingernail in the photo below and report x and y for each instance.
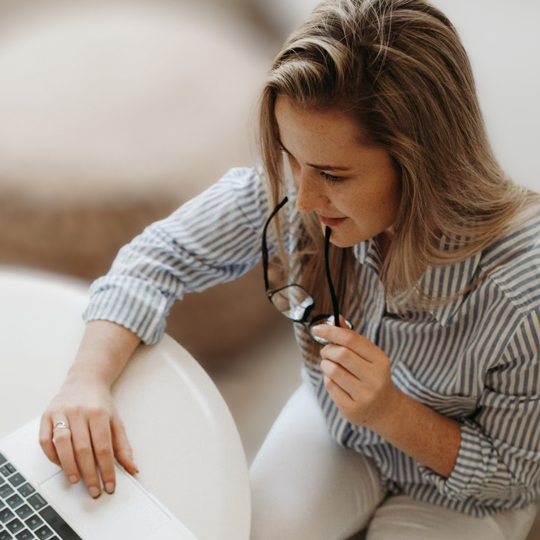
(94, 492)
(109, 487)
(316, 329)
(73, 479)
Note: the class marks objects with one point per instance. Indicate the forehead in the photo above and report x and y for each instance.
(328, 124)
(329, 128)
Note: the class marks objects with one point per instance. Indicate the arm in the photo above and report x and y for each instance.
(357, 376)
(420, 432)
(493, 455)
(85, 404)
(211, 239)
(103, 353)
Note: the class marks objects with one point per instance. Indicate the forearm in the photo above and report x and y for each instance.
(105, 350)
(420, 432)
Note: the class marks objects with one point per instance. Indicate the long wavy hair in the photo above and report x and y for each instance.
(399, 69)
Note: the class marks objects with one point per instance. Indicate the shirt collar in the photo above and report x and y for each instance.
(436, 282)
(368, 253)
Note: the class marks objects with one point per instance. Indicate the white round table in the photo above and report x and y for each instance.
(184, 439)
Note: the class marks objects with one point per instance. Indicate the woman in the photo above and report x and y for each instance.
(422, 421)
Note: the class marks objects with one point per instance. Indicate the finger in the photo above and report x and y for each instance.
(100, 435)
(61, 440)
(84, 455)
(341, 377)
(339, 396)
(121, 445)
(45, 439)
(347, 338)
(346, 358)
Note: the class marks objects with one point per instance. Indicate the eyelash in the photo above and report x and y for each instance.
(332, 178)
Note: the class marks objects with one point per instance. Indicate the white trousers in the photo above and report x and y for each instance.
(306, 487)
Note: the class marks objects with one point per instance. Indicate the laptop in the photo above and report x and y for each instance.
(38, 502)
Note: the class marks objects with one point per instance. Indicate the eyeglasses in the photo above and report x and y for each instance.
(293, 300)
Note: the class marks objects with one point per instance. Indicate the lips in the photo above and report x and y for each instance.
(331, 222)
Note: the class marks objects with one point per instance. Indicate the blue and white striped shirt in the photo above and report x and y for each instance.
(475, 359)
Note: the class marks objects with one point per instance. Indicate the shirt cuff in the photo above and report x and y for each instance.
(476, 465)
(131, 303)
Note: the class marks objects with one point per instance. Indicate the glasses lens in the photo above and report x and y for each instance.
(292, 301)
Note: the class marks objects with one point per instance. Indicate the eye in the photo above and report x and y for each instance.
(332, 178)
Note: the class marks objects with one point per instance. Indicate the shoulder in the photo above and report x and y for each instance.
(247, 179)
(513, 264)
(243, 188)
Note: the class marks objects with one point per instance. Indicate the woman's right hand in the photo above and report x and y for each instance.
(94, 434)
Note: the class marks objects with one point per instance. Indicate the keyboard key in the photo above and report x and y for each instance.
(25, 535)
(24, 511)
(15, 526)
(6, 515)
(4, 535)
(17, 479)
(36, 501)
(15, 501)
(26, 490)
(6, 490)
(44, 532)
(7, 470)
(34, 522)
(2, 459)
(58, 524)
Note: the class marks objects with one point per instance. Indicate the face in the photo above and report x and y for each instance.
(352, 187)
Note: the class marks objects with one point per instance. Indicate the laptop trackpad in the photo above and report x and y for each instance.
(128, 513)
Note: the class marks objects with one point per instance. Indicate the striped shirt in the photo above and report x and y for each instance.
(475, 359)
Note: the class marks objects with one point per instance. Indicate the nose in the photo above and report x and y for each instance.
(309, 192)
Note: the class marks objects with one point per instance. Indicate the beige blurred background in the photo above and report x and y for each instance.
(115, 112)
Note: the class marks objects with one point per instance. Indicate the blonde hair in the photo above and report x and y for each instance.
(399, 69)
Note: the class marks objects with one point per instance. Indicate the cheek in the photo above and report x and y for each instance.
(379, 205)
(391, 196)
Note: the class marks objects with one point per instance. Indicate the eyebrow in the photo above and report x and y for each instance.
(320, 167)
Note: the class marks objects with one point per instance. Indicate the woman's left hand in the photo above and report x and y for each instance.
(357, 376)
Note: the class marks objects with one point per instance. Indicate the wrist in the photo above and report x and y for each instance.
(422, 433)
(390, 414)
(86, 373)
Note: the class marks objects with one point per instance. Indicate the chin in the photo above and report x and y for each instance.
(342, 239)
(342, 244)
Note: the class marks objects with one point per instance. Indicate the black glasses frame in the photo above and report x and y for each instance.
(305, 319)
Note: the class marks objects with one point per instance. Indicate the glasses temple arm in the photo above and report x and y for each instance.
(264, 247)
(335, 305)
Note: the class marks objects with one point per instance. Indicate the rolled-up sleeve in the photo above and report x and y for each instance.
(499, 455)
(212, 239)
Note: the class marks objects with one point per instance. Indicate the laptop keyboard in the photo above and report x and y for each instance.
(24, 513)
